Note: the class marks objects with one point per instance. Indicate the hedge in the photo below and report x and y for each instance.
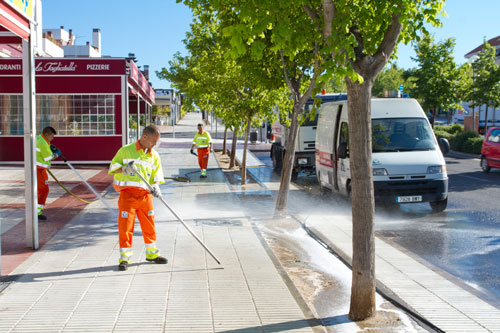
(456, 128)
(460, 140)
(443, 134)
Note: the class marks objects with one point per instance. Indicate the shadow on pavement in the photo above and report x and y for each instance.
(59, 275)
(279, 327)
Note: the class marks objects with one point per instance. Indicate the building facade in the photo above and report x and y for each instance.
(96, 105)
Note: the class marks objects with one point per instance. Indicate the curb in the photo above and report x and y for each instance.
(381, 288)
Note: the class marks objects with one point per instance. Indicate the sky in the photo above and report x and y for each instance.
(154, 29)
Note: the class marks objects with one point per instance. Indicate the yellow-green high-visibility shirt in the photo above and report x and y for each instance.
(148, 165)
(43, 153)
(202, 140)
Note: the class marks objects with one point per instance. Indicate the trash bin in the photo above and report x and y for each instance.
(253, 137)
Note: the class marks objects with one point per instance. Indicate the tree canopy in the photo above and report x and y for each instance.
(437, 77)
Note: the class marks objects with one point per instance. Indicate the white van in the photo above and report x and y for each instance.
(408, 165)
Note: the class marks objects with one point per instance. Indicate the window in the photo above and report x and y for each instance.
(11, 115)
(494, 136)
(401, 134)
(68, 114)
(344, 135)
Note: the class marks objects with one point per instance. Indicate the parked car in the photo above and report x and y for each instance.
(490, 152)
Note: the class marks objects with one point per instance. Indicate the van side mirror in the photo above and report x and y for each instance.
(444, 145)
(342, 150)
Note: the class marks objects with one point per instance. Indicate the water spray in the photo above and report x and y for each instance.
(86, 183)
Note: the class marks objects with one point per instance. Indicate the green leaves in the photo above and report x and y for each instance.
(486, 77)
(438, 79)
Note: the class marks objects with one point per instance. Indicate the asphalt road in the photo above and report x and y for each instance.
(463, 241)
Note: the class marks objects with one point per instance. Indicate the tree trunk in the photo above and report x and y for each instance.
(434, 115)
(363, 204)
(286, 173)
(486, 119)
(224, 143)
(244, 160)
(233, 148)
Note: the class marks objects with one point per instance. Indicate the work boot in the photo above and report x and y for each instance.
(158, 260)
(42, 217)
(123, 266)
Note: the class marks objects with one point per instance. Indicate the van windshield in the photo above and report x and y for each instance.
(402, 134)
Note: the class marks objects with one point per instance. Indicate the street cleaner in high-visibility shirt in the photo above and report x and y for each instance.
(44, 154)
(203, 141)
(135, 198)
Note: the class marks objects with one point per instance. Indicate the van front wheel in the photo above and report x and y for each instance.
(438, 206)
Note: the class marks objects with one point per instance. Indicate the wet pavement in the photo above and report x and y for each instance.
(73, 284)
(274, 276)
(463, 241)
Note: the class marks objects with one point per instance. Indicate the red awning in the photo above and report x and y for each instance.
(12, 21)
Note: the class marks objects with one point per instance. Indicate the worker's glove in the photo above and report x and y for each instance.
(55, 150)
(128, 170)
(155, 191)
(192, 151)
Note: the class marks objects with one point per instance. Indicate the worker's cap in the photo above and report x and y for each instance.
(200, 124)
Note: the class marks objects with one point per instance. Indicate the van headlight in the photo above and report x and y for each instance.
(380, 172)
(436, 169)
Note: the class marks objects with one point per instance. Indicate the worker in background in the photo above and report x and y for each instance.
(44, 154)
(203, 141)
(135, 198)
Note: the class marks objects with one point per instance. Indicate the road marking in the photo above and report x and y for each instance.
(483, 180)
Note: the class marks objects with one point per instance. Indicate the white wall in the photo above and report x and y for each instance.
(51, 49)
(81, 51)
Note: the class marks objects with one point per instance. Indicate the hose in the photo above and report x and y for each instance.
(68, 191)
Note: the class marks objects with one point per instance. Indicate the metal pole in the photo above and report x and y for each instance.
(29, 113)
(131, 164)
(173, 112)
(138, 115)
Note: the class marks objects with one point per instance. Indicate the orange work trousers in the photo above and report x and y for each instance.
(132, 202)
(203, 157)
(42, 181)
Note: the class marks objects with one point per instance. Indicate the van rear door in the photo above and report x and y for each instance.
(335, 150)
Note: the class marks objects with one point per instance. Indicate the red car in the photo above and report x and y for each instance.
(490, 152)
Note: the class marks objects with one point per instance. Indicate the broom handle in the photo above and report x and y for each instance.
(131, 164)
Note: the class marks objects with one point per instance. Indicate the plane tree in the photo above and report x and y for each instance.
(243, 92)
(437, 78)
(486, 84)
(321, 39)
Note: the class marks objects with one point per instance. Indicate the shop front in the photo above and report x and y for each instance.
(96, 105)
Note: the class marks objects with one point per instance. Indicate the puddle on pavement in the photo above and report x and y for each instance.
(219, 222)
(324, 282)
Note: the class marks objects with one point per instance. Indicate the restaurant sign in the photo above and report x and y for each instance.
(51, 66)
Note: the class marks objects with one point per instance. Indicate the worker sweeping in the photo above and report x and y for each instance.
(135, 196)
(203, 141)
(44, 154)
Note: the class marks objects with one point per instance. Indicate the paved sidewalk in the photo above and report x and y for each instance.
(72, 282)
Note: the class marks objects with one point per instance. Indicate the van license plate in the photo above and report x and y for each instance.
(414, 198)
